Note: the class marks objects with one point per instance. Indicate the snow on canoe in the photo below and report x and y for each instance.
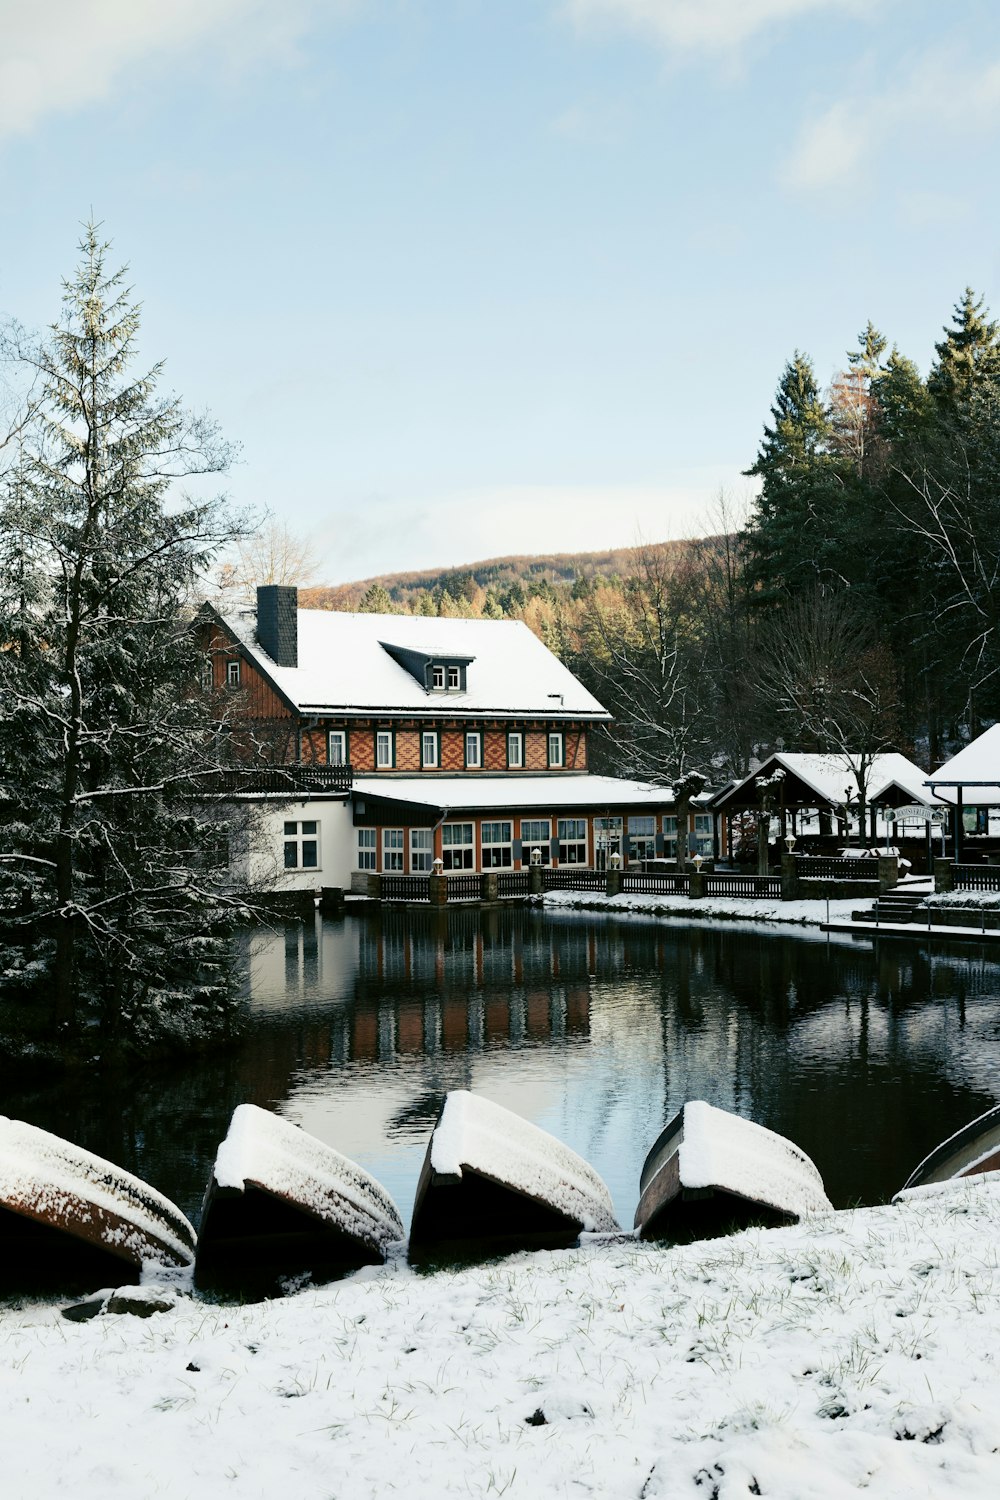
(492, 1181)
(282, 1202)
(974, 1148)
(68, 1218)
(711, 1172)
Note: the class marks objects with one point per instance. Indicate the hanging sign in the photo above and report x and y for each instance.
(916, 812)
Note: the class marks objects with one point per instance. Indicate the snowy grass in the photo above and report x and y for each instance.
(857, 1353)
(726, 908)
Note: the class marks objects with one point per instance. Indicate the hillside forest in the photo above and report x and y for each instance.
(853, 607)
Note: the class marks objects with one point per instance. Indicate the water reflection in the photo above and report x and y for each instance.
(597, 1029)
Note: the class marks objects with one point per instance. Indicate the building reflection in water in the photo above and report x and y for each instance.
(596, 1028)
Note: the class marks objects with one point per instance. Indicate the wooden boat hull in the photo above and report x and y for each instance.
(283, 1205)
(710, 1202)
(480, 1202)
(70, 1220)
(972, 1150)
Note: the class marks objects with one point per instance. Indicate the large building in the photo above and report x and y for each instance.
(404, 740)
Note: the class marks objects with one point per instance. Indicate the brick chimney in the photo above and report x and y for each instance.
(278, 622)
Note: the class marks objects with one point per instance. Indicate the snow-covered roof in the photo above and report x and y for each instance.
(555, 789)
(267, 1152)
(477, 1135)
(971, 770)
(722, 1150)
(829, 776)
(57, 1182)
(346, 665)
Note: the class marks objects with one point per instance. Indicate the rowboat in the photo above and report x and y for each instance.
(281, 1203)
(70, 1220)
(492, 1182)
(711, 1172)
(975, 1148)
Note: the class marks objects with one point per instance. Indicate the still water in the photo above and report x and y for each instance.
(598, 1029)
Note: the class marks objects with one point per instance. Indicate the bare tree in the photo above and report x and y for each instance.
(271, 554)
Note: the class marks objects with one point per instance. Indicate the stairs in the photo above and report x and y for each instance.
(895, 906)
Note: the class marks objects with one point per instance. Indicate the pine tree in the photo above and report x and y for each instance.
(967, 357)
(109, 903)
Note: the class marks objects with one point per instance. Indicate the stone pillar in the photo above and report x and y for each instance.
(944, 875)
(696, 887)
(888, 873)
(789, 878)
(488, 886)
(614, 881)
(535, 879)
(331, 898)
(375, 887)
(437, 890)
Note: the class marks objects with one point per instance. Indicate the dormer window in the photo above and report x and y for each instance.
(454, 678)
(437, 678)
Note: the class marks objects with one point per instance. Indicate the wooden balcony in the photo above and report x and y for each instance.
(296, 779)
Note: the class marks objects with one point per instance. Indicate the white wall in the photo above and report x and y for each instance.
(258, 854)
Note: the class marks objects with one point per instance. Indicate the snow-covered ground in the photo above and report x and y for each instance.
(728, 908)
(856, 1354)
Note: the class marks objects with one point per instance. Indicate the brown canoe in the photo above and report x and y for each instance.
(973, 1149)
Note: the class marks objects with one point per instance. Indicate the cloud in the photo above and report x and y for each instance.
(938, 95)
(704, 25)
(59, 56)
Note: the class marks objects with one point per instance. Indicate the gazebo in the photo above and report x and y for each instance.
(970, 779)
(791, 782)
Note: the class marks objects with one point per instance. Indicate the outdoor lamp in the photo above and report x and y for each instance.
(697, 862)
(438, 865)
(616, 861)
(536, 856)
(790, 842)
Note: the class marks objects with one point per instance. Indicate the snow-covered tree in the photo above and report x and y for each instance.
(111, 909)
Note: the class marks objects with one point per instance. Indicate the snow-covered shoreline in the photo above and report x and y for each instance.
(855, 1352)
(718, 908)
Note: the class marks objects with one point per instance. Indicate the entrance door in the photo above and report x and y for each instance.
(607, 840)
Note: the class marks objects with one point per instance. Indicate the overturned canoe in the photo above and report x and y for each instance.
(70, 1219)
(974, 1148)
(493, 1182)
(711, 1172)
(282, 1203)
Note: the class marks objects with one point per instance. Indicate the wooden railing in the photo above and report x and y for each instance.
(976, 877)
(405, 888)
(822, 867)
(293, 778)
(464, 887)
(643, 883)
(743, 885)
(572, 878)
(513, 882)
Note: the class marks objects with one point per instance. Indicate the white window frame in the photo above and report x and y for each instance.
(557, 739)
(496, 840)
(384, 763)
(704, 835)
(474, 741)
(454, 679)
(641, 840)
(573, 844)
(300, 838)
(669, 836)
(392, 851)
(421, 851)
(437, 679)
(458, 853)
(207, 675)
(336, 738)
(515, 762)
(430, 762)
(232, 674)
(367, 848)
(533, 838)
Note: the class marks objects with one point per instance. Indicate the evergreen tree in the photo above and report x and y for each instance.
(376, 601)
(967, 357)
(110, 907)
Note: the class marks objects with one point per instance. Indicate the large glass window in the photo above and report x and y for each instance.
(392, 849)
(473, 750)
(556, 750)
(421, 850)
(670, 837)
(336, 747)
(429, 752)
(515, 751)
(536, 833)
(458, 850)
(498, 846)
(383, 749)
(302, 845)
(572, 835)
(703, 834)
(642, 837)
(366, 849)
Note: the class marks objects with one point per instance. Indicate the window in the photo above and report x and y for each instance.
(429, 750)
(437, 678)
(642, 837)
(207, 675)
(232, 674)
(366, 849)
(454, 677)
(498, 846)
(421, 850)
(336, 747)
(670, 837)
(555, 749)
(457, 846)
(392, 849)
(607, 840)
(515, 752)
(572, 834)
(703, 834)
(536, 833)
(302, 846)
(384, 748)
(473, 750)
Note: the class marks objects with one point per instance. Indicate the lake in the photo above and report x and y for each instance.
(596, 1028)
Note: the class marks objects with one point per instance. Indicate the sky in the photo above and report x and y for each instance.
(466, 278)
